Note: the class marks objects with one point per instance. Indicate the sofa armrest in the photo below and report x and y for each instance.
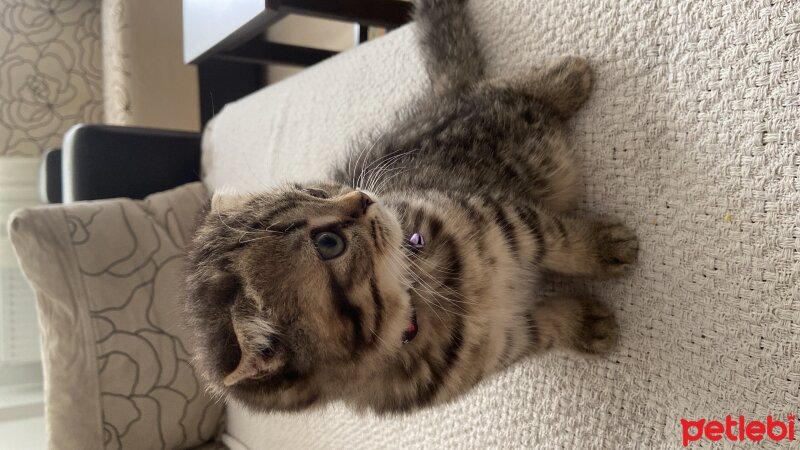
(103, 161)
(50, 190)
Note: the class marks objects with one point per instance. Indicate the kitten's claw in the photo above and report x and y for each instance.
(599, 330)
(617, 248)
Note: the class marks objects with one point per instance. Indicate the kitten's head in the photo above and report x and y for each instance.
(290, 292)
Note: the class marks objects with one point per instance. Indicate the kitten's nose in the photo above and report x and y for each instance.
(355, 203)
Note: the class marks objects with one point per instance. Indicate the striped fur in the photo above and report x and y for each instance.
(482, 170)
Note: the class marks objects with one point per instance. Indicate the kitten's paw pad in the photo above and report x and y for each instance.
(599, 330)
(617, 248)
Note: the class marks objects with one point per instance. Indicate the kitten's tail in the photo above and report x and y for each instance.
(449, 46)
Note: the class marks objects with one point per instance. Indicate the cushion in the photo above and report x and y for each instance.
(691, 136)
(117, 363)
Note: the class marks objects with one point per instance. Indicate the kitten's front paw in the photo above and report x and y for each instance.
(617, 248)
(599, 330)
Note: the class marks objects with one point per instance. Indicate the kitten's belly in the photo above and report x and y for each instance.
(508, 308)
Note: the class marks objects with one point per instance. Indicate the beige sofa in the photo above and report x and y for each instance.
(691, 136)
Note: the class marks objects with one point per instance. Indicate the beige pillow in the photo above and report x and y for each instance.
(116, 361)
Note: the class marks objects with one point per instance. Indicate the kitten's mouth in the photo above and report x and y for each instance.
(411, 330)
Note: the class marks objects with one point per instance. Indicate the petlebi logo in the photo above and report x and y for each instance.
(738, 429)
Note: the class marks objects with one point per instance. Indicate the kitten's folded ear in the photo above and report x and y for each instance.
(254, 365)
(260, 357)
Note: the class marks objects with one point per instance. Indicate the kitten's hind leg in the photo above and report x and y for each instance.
(580, 247)
(588, 248)
(585, 325)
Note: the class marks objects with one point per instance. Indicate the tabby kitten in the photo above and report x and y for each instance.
(413, 273)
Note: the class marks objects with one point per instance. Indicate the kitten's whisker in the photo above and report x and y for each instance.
(245, 232)
(380, 179)
(369, 170)
(418, 261)
(356, 161)
(367, 149)
(436, 293)
(430, 266)
(428, 301)
(372, 330)
(374, 175)
(459, 297)
(434, 302)
(433, 266)
(422, 296)
(439, 297)
(246, 226)
(410, 286)
(269, 233)
(385, 162)
(385, 181)
(366, 155)
(399, 156)
(350, 169)
(219, 216)
(247, 241)
(386, 159)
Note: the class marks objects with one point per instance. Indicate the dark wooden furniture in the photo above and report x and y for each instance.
(225, 39)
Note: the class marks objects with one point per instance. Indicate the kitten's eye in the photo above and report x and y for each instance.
(316, 193)
(329, 244)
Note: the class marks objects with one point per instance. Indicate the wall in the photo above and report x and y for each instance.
(146, 82)
(308, 32)
(50, 79)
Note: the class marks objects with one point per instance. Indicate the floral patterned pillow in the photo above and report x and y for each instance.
(117, 362)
